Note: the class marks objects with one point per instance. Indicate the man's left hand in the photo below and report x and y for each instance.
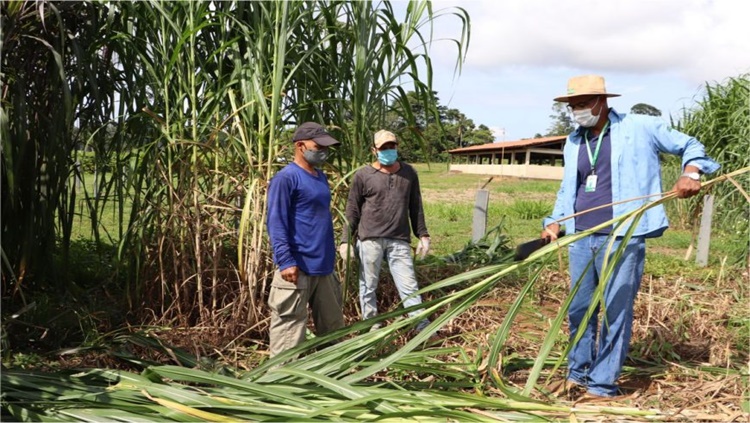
(686, 187)
(290, 274)
(423, 247)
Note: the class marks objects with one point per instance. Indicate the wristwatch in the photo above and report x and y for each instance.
(693, 175)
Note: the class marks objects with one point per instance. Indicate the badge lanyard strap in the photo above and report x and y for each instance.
(592, 158)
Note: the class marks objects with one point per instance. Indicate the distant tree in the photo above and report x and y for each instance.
(482, 135)
(645, 109)
(562, 124)
(458, 130)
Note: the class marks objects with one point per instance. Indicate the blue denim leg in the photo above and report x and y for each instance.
(371, 253)
(616, 328)
(601, 367)
(581, 355)
(401, 265)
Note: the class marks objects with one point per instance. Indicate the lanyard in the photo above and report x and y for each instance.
(592, 158)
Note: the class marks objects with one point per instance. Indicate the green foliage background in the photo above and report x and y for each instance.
(182, 111)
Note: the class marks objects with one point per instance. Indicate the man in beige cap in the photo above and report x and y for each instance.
(300, 228)
(384, 203)
(611, 157)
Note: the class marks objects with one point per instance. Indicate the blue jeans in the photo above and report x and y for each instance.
(598, 366)
(398, 254)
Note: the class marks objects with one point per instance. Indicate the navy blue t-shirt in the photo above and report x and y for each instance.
(603, 193)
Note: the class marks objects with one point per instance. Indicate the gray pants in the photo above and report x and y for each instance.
(288, 303)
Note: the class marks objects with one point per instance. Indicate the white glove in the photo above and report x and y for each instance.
(423, 247)
(346, 252)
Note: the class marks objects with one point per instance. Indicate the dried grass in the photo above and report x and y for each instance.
(681, 341)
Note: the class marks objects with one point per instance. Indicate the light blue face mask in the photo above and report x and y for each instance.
(388, 157)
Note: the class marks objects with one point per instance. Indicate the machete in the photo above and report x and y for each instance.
(524, 250)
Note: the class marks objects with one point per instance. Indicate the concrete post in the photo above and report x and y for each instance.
(704, 233)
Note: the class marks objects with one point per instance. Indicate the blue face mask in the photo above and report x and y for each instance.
(387, 157)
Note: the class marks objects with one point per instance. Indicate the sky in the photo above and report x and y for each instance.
(522, 52)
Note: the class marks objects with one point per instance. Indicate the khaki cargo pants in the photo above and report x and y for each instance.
(288, 303)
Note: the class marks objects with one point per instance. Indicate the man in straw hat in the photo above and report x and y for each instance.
(300, 228)
(384, 203)
(611, 157)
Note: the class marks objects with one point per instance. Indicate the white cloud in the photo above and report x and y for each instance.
(698, 40)
(498, 132)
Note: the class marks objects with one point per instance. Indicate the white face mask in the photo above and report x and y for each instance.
(585, 118)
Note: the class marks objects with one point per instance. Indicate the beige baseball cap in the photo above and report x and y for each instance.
(383, 137)
(585, 85)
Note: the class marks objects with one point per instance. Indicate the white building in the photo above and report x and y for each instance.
(535, 158)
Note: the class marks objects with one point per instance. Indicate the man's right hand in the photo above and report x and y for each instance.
(290, 274)
(346, 252)
(551, 231)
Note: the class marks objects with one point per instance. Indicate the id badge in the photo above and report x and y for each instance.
(591, 183)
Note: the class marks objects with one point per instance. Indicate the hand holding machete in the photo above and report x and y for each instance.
(550, 234)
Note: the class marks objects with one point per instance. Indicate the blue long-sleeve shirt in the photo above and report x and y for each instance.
(636, 141)
(299, 221)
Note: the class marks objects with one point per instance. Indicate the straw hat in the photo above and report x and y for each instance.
(585, 85)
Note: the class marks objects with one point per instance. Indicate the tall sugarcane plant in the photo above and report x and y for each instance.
(53, 83)
(186, 108)
(720, 118)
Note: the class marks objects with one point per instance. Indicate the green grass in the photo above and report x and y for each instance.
(520, 205)
(450, 225)
(107, 213)
(449, 202)
(437, 176)
(531, 209)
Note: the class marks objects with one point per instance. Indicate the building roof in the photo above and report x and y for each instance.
(510, 145)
